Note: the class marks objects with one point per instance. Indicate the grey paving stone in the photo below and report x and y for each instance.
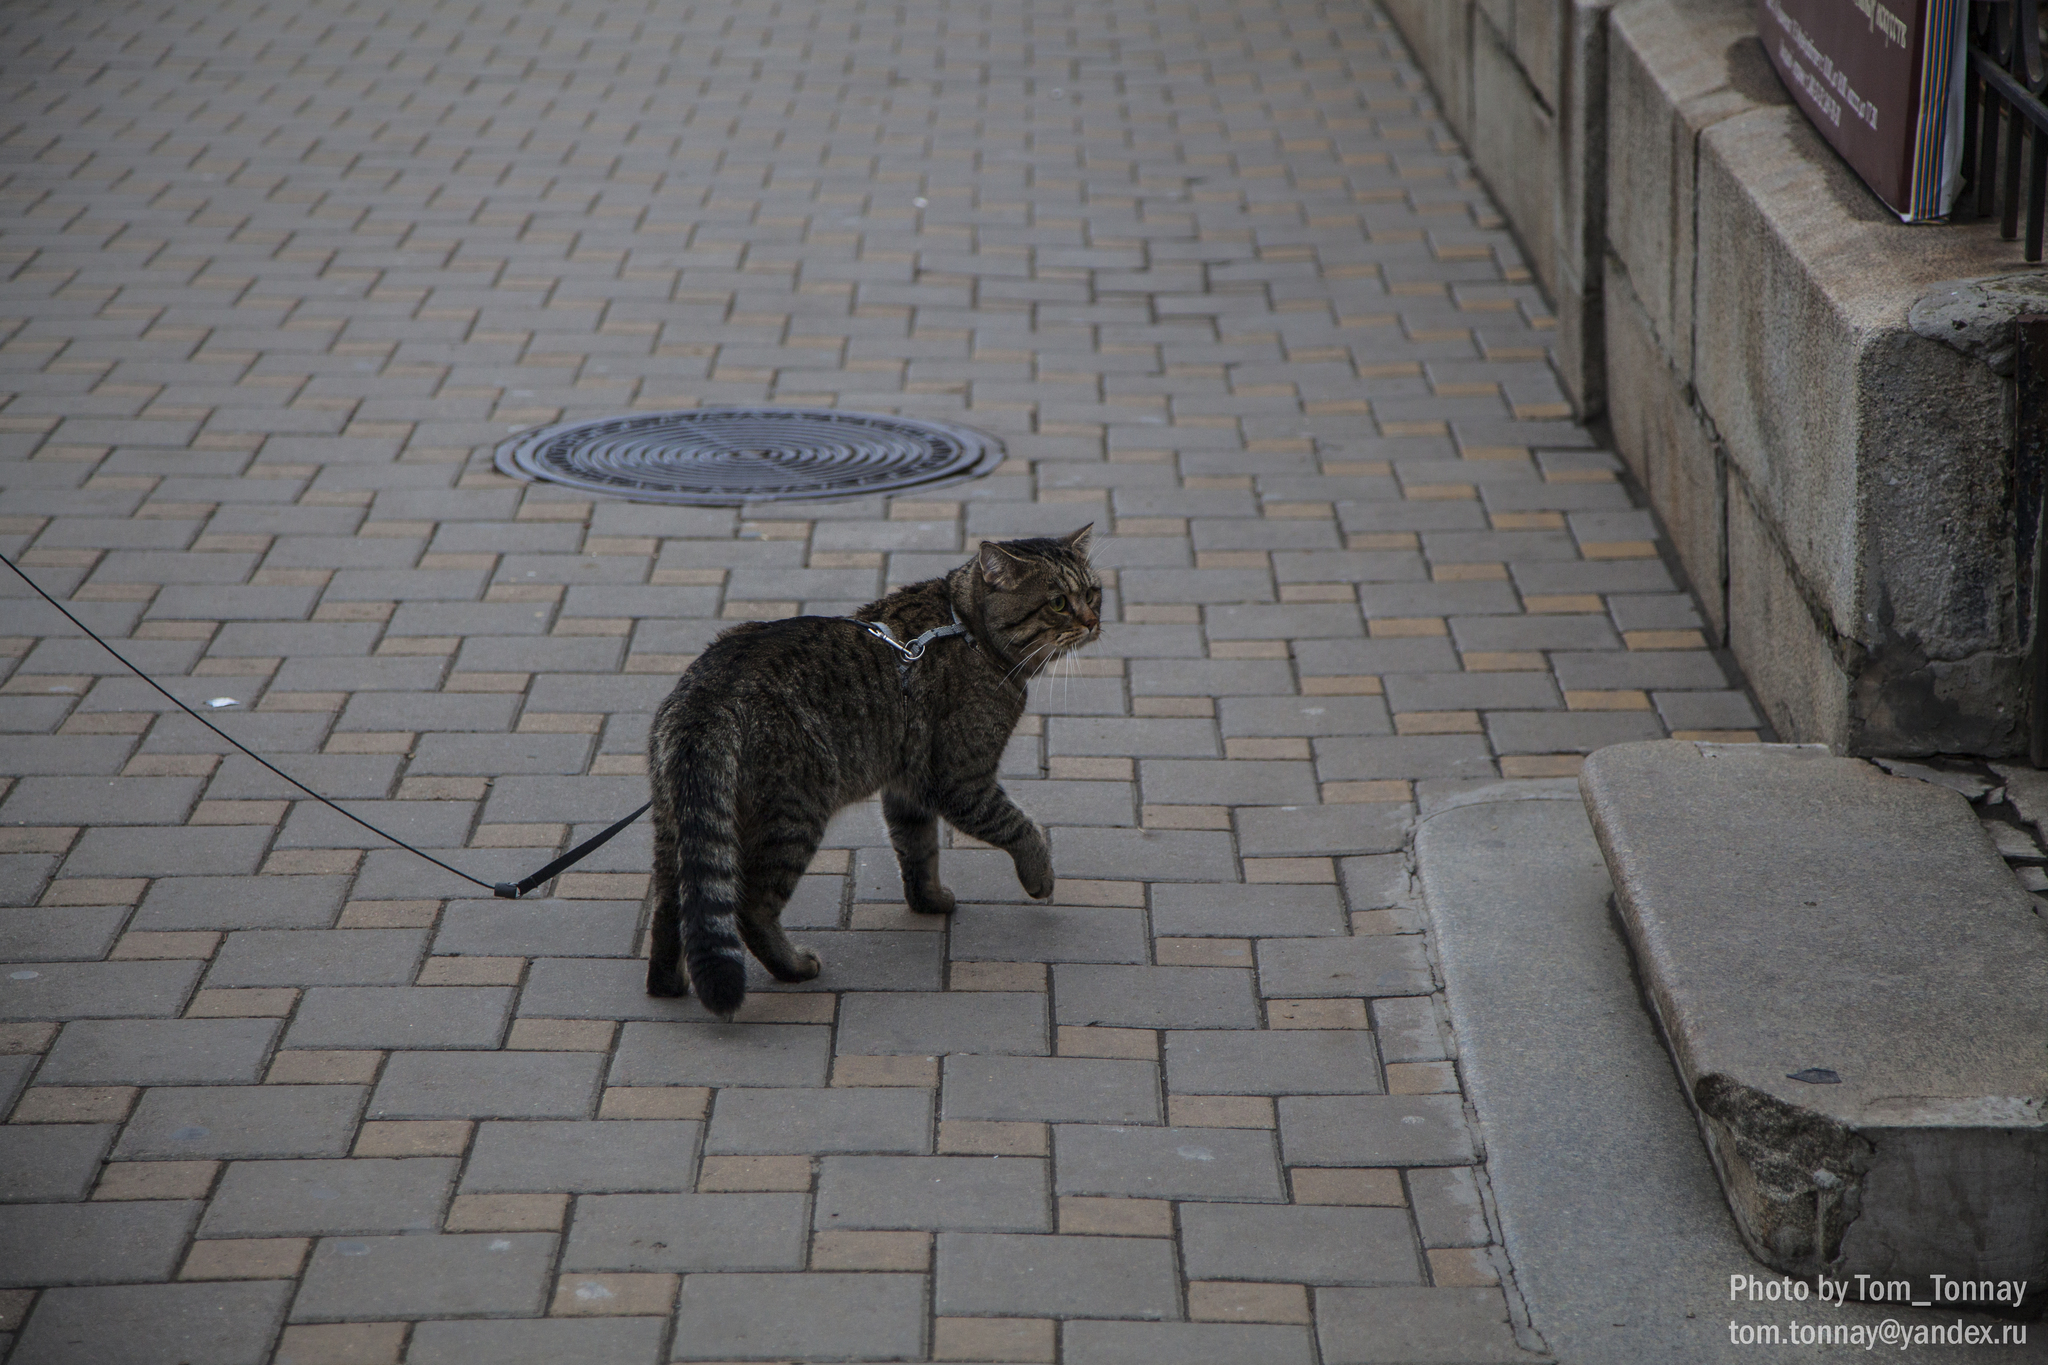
(1376, 827)
(156, 1324)
(1414, 1326)
(679, 1232)
(1297, 1244)
(1472, 691)
(806, 1316)
(1131, 737)
(972, 874)
(1209, 677)
(95, 1243)
(1051, 1090)
(859, 1119)
(53, 934)
(589, 1157)
(423, 824)
(401, 1017)
(1020, 1275)
(429, 711)
(44, 1163)
(1403, 756)
(1228, 782)
(705, 1052)
(1376, 1130)
(1167, 1163)
(1304, 716)
(1448, 1211)
(64, 755)
(928, 1024)
(1154, 997)
(318, 957)
(865, 960)
(242, 1121)
(95, 990)
(160, 1052)
(1706, 710)
(381, 1278)
(1575, 732)
(1147, 854)
(976, 1193)
(490, 755)
(1655, 611)
(538, 928)
(1052, 933)
(1272, 1062)
(1259, 622)
(1374, 882)
(1408, 1030)
(538, 1341)
(1368, 965)
(599, 988)
(1184, 1343)
(1660, 669)
(1544, 632)
(131, 852)
(241, 903)
(324, 1198)
(495, 1085)
(1229, 910)
(336, 776)
(1076, 803)
(14, 1073)
(1437, 599)
(22, 878)
(1611, 575)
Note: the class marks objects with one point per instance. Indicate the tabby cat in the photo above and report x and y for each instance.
(781, 723)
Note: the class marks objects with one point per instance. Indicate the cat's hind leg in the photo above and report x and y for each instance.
(914, 832)
(665, 959)
(775, 860)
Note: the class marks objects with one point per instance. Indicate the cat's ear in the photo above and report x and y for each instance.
(1078, 541)
(999, 567)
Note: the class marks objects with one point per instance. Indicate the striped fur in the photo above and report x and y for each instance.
(779, 724)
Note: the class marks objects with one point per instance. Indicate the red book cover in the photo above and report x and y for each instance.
(1881, 80)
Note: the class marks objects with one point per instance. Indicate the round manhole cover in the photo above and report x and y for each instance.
(730, 456)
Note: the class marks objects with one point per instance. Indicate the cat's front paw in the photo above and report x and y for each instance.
(937, 901)
(1034, 866)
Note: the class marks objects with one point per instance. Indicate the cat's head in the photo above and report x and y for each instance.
(1042, 596)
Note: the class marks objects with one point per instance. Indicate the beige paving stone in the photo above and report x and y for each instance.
(1341, 1185)
(987, 1137)
(311, 1067)
(729, 1173)
(155, 1180)
(886, 1071)
(472, 971)
(1461, 1267)
(832, 1249)
(1334, 1013)
(17, 1040)
(246, 1258)
(655, 1102)
(74, 1104)
(416, 1137)
(1080, 1040)
(342, 1343)
(615, 1295)
(243, 1002)
(1220, 1111)
(1106, 1216)
(1231, 1301)
(507, 1212)
(996, 976)
(139, 947)
(994, 1339)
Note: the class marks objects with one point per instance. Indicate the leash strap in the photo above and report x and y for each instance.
(913, 651)
(507, 890)
(512, 891)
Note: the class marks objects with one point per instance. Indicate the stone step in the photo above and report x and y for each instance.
(1854, 988)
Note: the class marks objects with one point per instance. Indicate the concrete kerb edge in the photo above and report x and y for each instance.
(1527, 1336)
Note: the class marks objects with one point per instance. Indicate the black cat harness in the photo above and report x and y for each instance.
(913, 651)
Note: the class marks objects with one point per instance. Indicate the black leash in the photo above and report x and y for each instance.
(503, 890)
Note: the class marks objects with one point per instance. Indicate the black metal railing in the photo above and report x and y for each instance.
(2003, 81)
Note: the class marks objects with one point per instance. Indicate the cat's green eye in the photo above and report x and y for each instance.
(1058, 602)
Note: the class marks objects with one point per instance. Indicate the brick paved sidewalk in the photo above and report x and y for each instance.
(279, 275)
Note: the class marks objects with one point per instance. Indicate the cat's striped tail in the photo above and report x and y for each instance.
(708, 871)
